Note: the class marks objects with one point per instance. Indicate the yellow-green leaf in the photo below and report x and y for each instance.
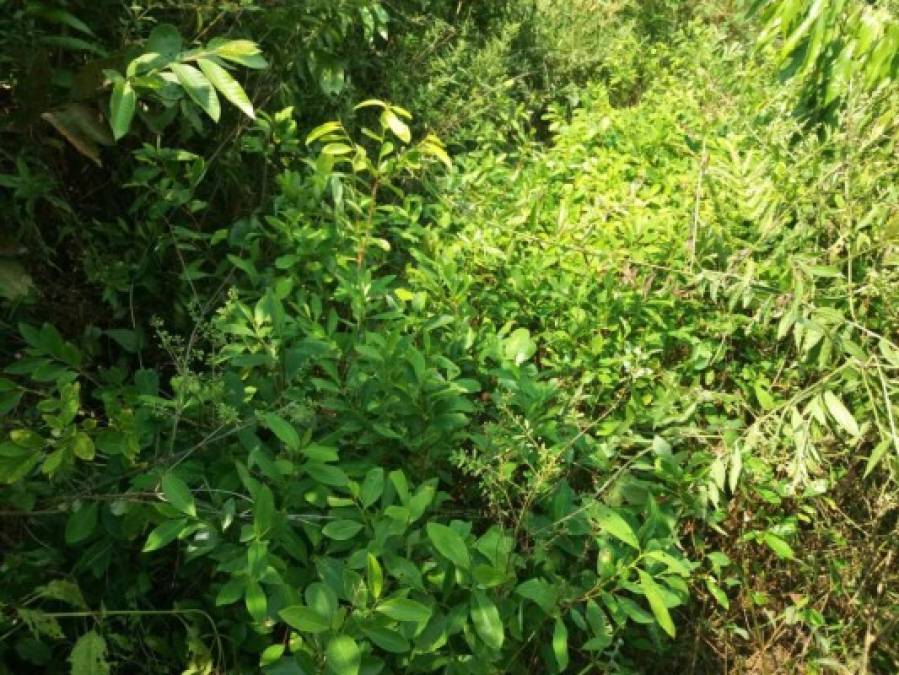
(199, 89)
(122, 104)
(227, 86)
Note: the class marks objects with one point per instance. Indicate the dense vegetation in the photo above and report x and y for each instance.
(522, 336)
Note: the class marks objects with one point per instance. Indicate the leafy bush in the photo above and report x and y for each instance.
(614, 380)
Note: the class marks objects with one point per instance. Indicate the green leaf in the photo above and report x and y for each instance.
(560, 644)
(656, 602)
(374, 576)
(387, 639)
(779, 546)
(372, 487)
(343, 655)
(519, 346)
(283, 430)
(88, 656)
(612, 523)
(539, 591)
(122, 104)
(399, 128)
(227, 86)
(256, 601)
(164, 39)
(81, 523)
(244, 52)
(404, 609)
(841, 414)
(199, 89)
(83, 446)
(486, 619)
(263, 511)
(449, 544)
(178, 494)
(326, 475)
(305, 619)
(342, 530)
(164, 534)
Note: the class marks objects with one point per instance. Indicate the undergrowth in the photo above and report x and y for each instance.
(582, 359)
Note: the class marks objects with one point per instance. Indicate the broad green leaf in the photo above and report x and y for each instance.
(387, 639)
(374, 576)
(82, 523)
(539, 591)
(343, 655)
(326, 475)
(178, 494)
(656, 602)
(164, 534)
(122, 105)
(841, 414)
(404, 609)
(487, 621)
(560, 644)
(283, 430)
(165, 39)
(612, 523)
(449, 544)
(88, 656)
(227, 86)
(342, 530)
(198, 88)
(305, 619)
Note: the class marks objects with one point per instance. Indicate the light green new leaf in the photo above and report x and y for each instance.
(283, 430)
(178, 494)
(199, 89)
(375, 576)
(399, 128)
(88, 656)
(560, 644)
(449, 544)
(164, 534)
(227, 86)
(122, 104)
(343, 655)
(404, 609)
(244, 52)
(656, 602)
(612, 523)
(841, 414)
(487, 621)
(519, 346)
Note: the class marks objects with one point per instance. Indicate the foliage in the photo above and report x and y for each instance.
(297, 389)
(833, 46)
